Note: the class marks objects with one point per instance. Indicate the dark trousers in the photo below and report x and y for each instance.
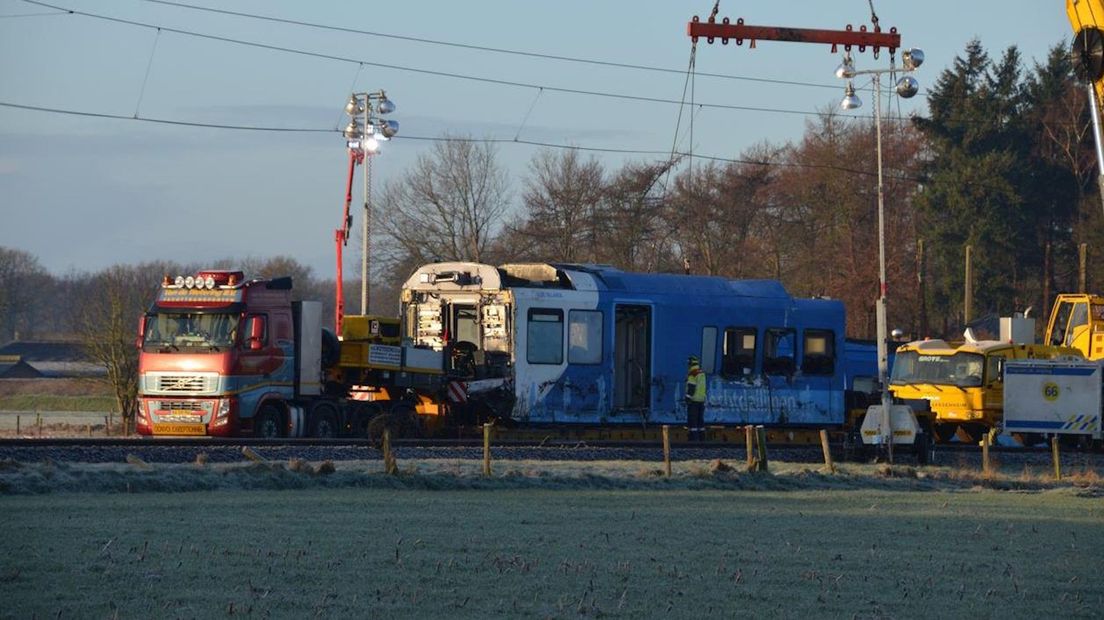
(695, 420)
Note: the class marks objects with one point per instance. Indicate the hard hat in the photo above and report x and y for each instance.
(692, 360)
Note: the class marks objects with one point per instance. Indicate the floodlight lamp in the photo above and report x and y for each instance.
(907, 87)
(352, 130)
(371, 144)
(846, 69)
(389, 128)
(386, 106)
(912, 58)
(354, 107)
(850, 101)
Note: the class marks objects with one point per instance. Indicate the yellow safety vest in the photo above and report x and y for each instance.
(695, 385)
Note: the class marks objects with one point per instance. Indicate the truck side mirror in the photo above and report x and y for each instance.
(1000, 369)
(141, 332)
(256, 333)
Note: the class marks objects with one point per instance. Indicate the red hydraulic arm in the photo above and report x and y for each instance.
(341, 237)
(740, 32)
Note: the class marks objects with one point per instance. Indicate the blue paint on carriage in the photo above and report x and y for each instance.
(681, 307)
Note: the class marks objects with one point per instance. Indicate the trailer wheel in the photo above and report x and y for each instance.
(268, 423)
(376, 425)
(923, 445)
(406, 418)
(364, 413)
(943, 432)
(323, 422)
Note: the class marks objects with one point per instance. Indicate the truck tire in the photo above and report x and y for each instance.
(376, 425)
(269, 423)
(323, 421)
(407, 421)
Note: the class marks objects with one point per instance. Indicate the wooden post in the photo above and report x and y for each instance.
(88, 428)
(38, 422)
(1057, 461)
(761, 445)
(487, 449)
(18, 423)
(827, 452)
(1083, 258)
(968, 298)
(985, 464)
(389, 465)
(107, 426)
(749, 441)
(667, 450)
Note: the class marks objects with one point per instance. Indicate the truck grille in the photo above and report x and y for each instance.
(193, 383)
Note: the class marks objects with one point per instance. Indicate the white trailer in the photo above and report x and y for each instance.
(1052, 397)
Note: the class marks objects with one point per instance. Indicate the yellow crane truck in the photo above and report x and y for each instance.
(961, 384)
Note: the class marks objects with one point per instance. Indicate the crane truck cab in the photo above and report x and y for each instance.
(961, 384)
(1077, 321)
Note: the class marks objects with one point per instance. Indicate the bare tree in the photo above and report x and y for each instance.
(107, 321)
(631, 227)
(448, 207)
(22, 288)
(717, 211)
(562, 198)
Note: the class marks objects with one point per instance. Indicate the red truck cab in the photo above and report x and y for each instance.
(218, 355)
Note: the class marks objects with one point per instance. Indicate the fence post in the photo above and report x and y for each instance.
(761, 444)
(827, 452)
(38, 422)
(749, 441)
(486, 448)
(389, 464)
(985, 470)
(667, 450)
(107, 426)
(1057, 460)
(18, 422)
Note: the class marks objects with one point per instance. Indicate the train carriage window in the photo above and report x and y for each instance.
(709, 350)
(584, 337)
(819, 356)
(739, 352)
(544, 336)
(779, 351)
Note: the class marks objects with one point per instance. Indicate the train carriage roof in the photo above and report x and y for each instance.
(467, 276)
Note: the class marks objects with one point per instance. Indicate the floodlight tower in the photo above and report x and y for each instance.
(364, 135)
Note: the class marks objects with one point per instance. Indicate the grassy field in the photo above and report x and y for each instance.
(520, 545)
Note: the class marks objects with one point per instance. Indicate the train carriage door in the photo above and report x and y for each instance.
(632, 358)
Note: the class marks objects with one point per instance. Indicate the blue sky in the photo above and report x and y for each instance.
(83, 193)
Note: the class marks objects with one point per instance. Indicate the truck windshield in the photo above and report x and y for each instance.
(175, 331)
(961, 369)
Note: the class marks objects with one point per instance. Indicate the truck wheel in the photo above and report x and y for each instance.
(376, 425)
(923, 445)
(363, 414)
(406, 419)
(268, 425)
(323, 422)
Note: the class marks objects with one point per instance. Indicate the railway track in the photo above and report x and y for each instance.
(182, 450)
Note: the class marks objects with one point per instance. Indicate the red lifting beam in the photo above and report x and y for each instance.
(847, 38)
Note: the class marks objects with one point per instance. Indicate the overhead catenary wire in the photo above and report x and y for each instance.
(419, 70)
(482, 48)
(489, 140)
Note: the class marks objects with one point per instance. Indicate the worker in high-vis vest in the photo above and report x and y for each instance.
(695, 400)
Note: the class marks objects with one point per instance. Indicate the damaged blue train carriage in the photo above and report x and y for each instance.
(593, 345)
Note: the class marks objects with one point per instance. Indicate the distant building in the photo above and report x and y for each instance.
(12, 367)
(29, 359)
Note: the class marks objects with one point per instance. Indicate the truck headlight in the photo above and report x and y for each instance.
(222, 414)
